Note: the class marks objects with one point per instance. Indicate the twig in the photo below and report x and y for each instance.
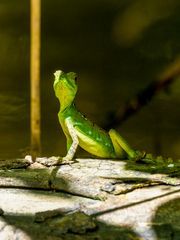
(35, 78)
(167, 77)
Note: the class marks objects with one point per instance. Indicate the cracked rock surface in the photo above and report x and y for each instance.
(89, 199)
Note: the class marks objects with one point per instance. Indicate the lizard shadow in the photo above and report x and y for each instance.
(76, 225)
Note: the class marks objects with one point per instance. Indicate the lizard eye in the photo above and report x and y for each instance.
(75, 79)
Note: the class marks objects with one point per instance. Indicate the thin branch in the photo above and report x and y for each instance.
(35, 77)
(167, 77)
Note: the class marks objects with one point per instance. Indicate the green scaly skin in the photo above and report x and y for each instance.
(81, 131)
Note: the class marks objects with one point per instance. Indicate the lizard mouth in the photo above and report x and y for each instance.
(57, 75)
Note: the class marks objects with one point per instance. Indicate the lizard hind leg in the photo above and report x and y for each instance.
(121, 147)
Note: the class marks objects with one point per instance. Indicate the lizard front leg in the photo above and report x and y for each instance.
(72, 150)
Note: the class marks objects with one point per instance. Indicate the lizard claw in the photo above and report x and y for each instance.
(65, 161)
(138, 155)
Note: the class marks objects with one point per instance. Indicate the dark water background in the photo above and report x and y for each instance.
(117, 47)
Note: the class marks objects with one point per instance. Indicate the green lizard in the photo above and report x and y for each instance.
(80, 131)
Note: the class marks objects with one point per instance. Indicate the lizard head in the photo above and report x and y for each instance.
(65, 87)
